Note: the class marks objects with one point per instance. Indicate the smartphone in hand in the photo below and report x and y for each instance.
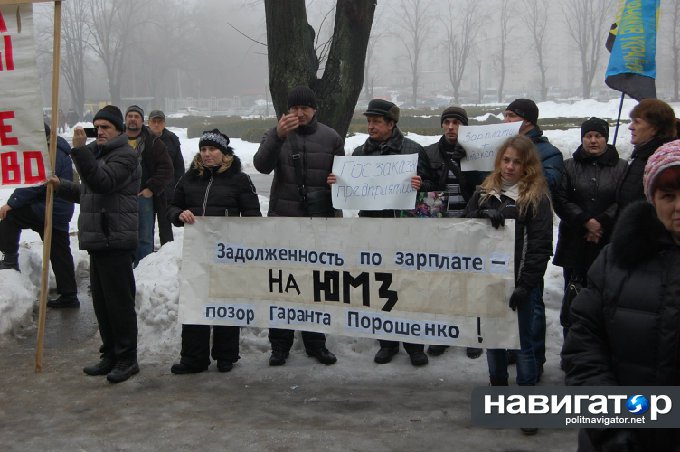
(90, 132)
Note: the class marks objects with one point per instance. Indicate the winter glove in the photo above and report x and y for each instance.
(519, 296)
(497, 218)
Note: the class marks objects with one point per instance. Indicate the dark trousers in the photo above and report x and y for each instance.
(196, 345)
(112, 283)
(283, 339)
(160, 207)
(60, 250)
(410, 348)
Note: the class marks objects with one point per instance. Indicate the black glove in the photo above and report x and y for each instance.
(496, 216)
(519, 296)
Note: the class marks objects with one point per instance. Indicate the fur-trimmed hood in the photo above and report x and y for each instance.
(639, 235)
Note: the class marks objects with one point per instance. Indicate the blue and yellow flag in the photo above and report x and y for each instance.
(632, 42)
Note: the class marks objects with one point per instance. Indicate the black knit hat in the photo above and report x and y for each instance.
(217, 139)
(112, 114)
(301, 96)
(595, 125)
(454, 113)
(136, 109)
(382, 107)
(525, 109)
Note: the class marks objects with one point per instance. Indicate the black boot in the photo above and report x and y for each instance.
(498, 381)
(322, 355)
(474, 353)
(436, 350)
(418, 358)
(103, 367)
(181, 369)
(123, 370)
(385, 354)
(278, 358)
(64, 301)
(10, 261)
(224, 366)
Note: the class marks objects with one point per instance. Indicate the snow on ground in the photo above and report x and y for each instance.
(157, 275)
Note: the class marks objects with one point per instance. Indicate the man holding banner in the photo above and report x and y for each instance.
(385, 138)
(443, 160)
(300, 150)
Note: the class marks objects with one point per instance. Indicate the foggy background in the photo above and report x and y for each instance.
(209, 56)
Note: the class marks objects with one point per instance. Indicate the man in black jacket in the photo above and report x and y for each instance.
(300, 150)
(156, 175)
(174, 148)
(107, 229)
(445, 174)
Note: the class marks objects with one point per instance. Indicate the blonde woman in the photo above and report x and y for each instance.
(516, 189)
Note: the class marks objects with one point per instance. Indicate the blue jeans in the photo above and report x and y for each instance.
(538, 324)
(146, 228)
(526, 360)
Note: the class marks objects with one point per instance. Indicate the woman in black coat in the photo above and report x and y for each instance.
(585, 201)
(626, 324)
(517, 189)
(213, 186)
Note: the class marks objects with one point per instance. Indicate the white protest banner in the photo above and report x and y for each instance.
(24, 158)
(374, 182)
(482, 142)
(443, 281)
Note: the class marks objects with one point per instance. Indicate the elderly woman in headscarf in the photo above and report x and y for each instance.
(625, 327)
(213, 186)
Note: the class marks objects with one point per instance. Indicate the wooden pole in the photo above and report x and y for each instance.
(47, 235)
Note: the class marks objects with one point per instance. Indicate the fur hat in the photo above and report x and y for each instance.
(112, 114)
(301, 96)
(663, 158)
(384, 108)
(455, 113)
(217, 139)
(525, 109)
(595, 125)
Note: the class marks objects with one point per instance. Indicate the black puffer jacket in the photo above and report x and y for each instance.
(626, 324)
(318, 144)
(533, 235)
(587, 190)
(110, 177)
(436, 169)
(398, 144)
(631, 188)
(213, 194)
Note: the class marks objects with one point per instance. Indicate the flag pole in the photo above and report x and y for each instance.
(618, 119)
(49, 200)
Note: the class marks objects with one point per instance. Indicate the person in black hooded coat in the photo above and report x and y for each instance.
(213, 186)
(625, 327)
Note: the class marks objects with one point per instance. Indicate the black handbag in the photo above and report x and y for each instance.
(573, 288)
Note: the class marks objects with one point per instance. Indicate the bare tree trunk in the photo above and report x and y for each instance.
(587, 24)
(676, 51)
(461, 31)
(414, 21)
(74, 36)
(535, 17)
(293, 61)
(504, 21)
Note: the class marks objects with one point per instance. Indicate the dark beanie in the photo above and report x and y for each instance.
(112, 114)
(135, 108)
(48, 131)
(454, 113)
(382, 107)
(595, 125)
(525, 108)
(301, 96)
(217, 139)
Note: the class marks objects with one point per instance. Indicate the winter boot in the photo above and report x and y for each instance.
(10, 261)
(64, 301)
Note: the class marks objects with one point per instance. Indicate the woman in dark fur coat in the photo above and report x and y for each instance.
(626, 324)
(213, 186)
